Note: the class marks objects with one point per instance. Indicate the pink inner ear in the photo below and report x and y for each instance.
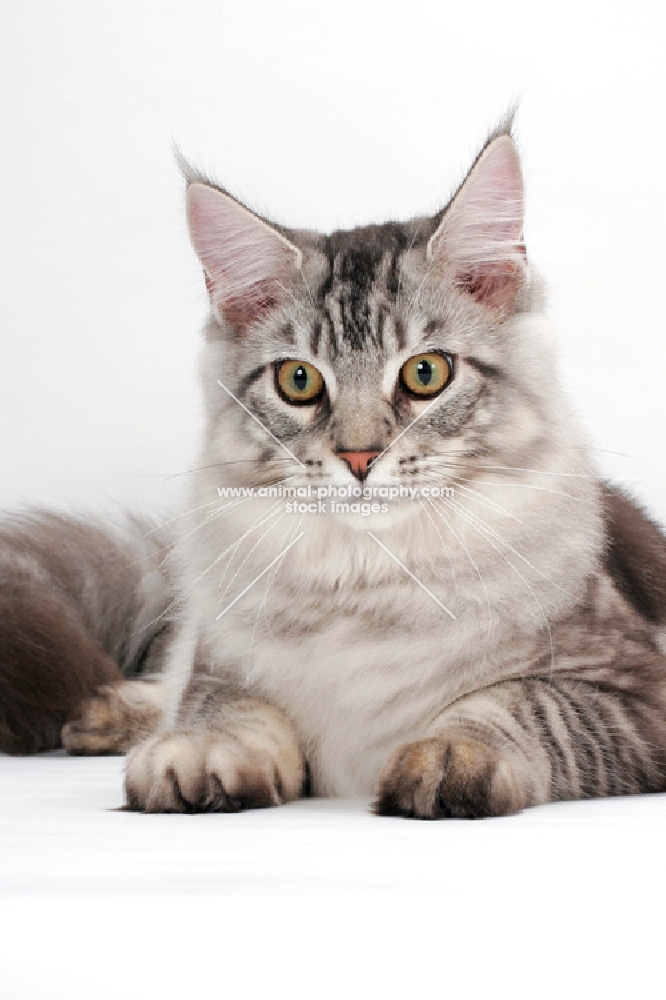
(244, 260)
(495, 285)
(480, 236)
(257, 300)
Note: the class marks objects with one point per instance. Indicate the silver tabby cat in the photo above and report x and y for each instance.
(493, 646)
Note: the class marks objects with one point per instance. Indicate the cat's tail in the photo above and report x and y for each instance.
(636, 553)
(82, 604)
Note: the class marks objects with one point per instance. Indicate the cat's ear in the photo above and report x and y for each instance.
(246, 262)
(479, 241)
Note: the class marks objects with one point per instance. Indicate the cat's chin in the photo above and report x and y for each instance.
(390, 514)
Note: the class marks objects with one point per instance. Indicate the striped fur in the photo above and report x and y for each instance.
(550, 682)
(535, 674)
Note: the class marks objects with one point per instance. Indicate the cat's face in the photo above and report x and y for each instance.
(384, 355)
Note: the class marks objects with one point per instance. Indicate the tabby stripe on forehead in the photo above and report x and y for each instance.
(287, 334)
(382, 313)
(332, 338)
(315, 337)
(358, 269)
(400, 333)
(327, 284)
(393, 274)
(349, 331)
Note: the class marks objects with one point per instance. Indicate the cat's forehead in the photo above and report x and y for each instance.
(386, 234)
(359, 256)
(354, 279)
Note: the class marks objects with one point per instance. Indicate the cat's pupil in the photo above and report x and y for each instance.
(300, 377)
(424, 372)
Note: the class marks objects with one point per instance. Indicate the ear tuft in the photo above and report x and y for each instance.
(480, 238)
(245, 261)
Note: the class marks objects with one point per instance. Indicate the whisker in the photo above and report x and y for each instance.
(193, 583)
(264, 602)
(484, 500)
(446, 548)
(247, 556)
(486, 527)
(537, 472)
(278, 558)
(471, 559)
(219, 465)
(231, 503)
(262, 606)
(236, 502)
(172, 545)
(525, 486)
(470, 467)
(260, 520)
(521, 577)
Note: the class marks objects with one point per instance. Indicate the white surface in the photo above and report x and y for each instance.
(319, 897)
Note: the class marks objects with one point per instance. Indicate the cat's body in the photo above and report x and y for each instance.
(470, 655)
(359, 677)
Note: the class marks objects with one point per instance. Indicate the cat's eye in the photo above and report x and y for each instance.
(426, 375)
(299, 382)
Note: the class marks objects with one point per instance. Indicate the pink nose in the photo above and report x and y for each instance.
(358, 461)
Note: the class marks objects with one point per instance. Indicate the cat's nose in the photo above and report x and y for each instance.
(358, 461)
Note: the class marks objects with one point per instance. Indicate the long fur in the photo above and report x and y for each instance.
(81, 605)
(309, 652)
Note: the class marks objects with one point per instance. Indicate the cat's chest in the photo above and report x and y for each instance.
(356, 681)
(362, 653)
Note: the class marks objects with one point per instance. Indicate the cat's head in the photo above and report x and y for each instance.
(396, 353)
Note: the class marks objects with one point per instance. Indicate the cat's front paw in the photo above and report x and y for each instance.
(201, 771)
(442, 777)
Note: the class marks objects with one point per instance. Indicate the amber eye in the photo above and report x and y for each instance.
(299, 382)
(426, 374)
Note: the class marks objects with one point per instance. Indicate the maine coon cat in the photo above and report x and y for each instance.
(470, 654)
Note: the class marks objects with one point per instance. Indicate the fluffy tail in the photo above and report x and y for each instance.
(636, 554)
(81, 604)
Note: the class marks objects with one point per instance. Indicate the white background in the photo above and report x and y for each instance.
(320, 115)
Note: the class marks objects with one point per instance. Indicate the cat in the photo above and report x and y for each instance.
(495, 647)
